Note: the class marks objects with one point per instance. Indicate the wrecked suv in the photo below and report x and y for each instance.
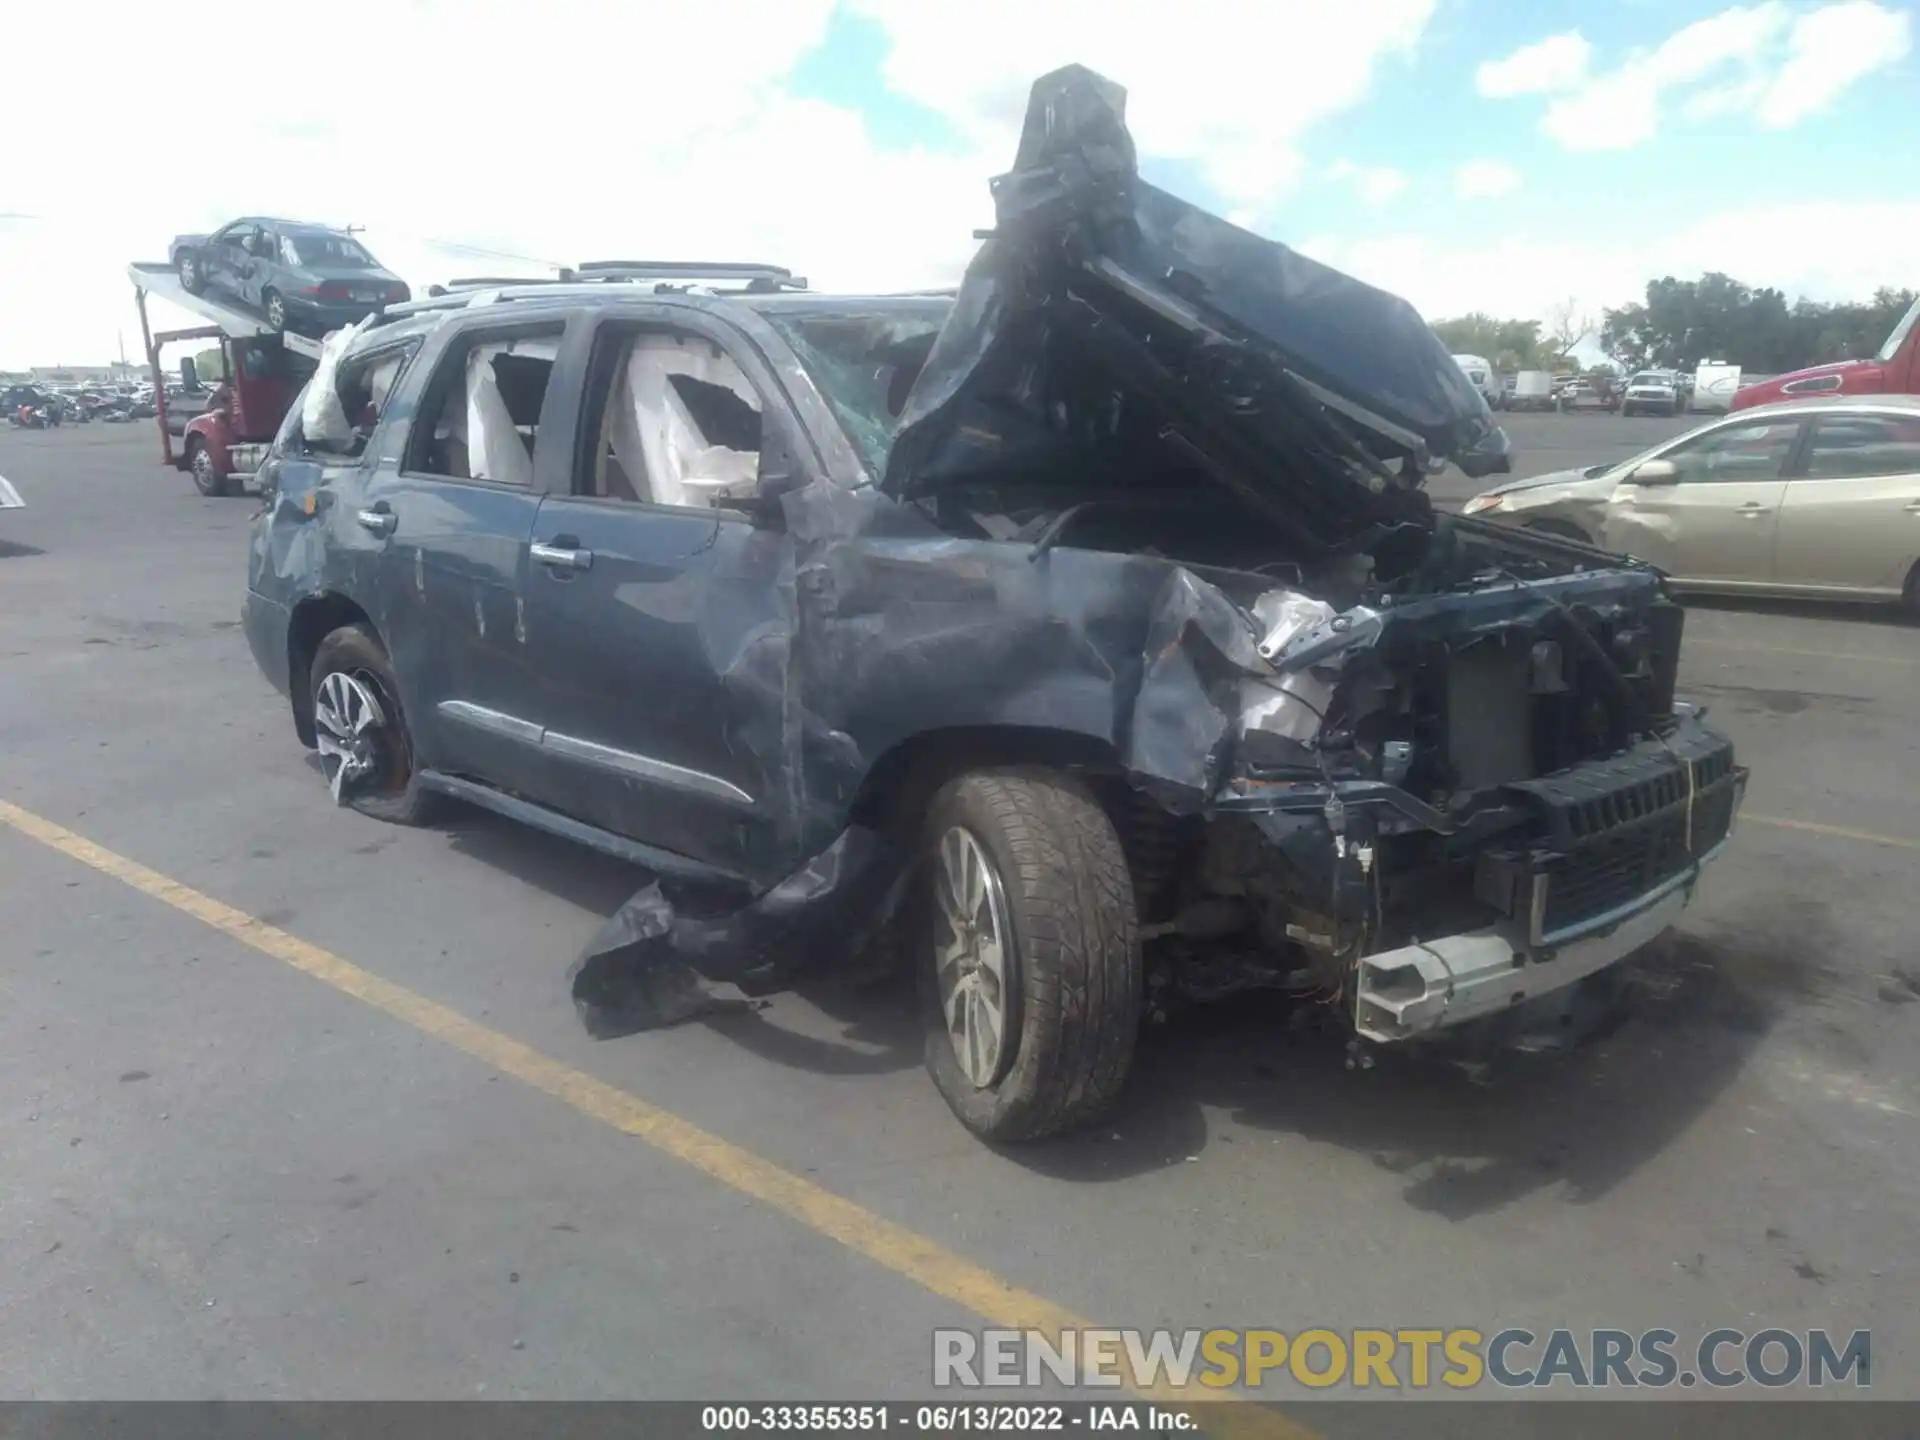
(1082, 640)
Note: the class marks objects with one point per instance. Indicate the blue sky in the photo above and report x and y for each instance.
(1429, 116)
(1468, 154)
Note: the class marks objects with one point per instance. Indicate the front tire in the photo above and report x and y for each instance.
(207, 478)
(1029, 954)
(365, 746)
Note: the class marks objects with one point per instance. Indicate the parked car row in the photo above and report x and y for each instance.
(38, 406)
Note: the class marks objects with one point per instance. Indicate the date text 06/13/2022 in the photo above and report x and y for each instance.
(946, 1419)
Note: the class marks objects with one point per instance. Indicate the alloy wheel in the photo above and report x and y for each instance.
(973, 956)
(351, 732)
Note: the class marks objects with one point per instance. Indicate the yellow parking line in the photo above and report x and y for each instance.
(906, 1253)
(1837, 832)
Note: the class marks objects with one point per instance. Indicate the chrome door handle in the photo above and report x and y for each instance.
(380, 522)
(558, 557)
(1912, 507)
(1751, 510)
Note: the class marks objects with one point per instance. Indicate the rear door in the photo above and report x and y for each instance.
(454, 508)
(656, 626)
(1851, 519)
(1718, 522)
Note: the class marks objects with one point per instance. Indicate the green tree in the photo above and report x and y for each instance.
(1683, 322)
(1507, 344)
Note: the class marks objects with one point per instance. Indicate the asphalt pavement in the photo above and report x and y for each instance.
(295, 1105)
(1543, 442)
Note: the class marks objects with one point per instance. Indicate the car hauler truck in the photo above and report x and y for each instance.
(222, 447)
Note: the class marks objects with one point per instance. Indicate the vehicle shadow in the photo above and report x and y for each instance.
(1461, 1142)
(580, 876)
(1457, 1141)
(16, 549)
(877, 1029)
(1887, 616)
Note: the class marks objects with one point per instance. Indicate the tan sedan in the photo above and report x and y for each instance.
(1817, 498)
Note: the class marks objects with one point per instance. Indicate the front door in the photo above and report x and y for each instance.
(1851, 520)
(655, 612)
(224, 256)
(1717, 521)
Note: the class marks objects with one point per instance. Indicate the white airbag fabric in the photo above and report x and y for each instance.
(654, 435)
(323, 419)
(495, 448)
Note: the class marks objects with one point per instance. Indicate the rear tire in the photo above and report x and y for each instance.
(207, 478)
(191, 276)
(276, 309)
(388, 787)
(1910, 595)
(1055, 887)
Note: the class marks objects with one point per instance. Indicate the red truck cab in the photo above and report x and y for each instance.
(1895, 370)
(247, 408)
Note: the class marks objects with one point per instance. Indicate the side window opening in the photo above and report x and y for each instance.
(487, 404)
(681, 425)
(344, 400)
(1741, 452)
(1862, 448)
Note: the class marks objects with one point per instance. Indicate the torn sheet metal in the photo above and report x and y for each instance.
(643, 970)
(1106, 316)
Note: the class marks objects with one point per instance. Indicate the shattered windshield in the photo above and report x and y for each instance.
(865, 363)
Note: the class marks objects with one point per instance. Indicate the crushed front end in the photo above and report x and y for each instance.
(1446, 807)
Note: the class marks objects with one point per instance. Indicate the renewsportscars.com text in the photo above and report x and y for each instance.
(1413, 1359)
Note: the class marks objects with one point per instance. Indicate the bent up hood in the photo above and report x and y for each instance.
(1103, 312)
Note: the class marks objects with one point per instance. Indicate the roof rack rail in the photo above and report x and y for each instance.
(490, 282)
(758, 277)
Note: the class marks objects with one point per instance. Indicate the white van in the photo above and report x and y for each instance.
(1482, 377)
(1714, 386)
(1532, 390)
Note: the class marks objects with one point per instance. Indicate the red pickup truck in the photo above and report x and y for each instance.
(1895, 370)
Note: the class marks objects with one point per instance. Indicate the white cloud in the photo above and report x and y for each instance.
(1556, 63)
(1621, 108)
(1777, 61)
(594, 145)
(1786, 245)
(1485, 179)
(1831, 49)
(1377, 184)
(1228, 87)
